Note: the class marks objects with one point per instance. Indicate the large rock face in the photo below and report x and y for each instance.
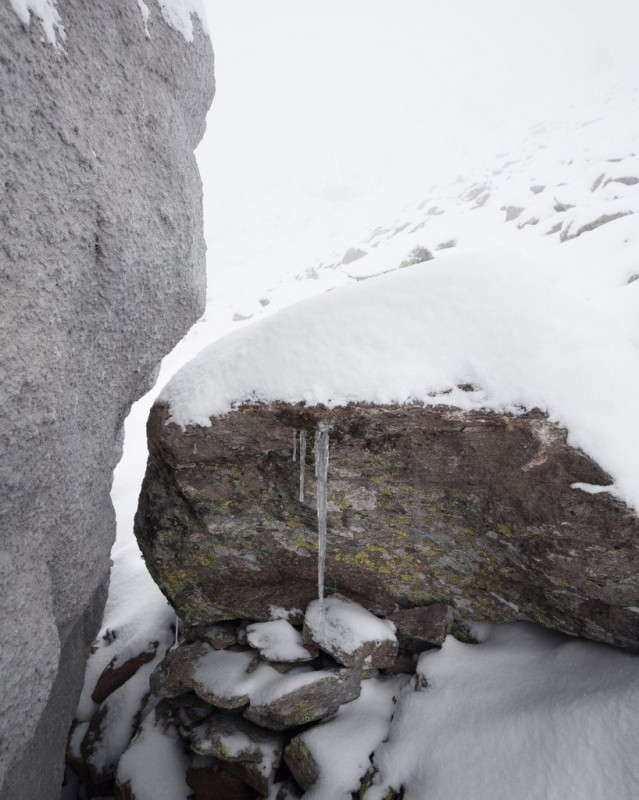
(102, 264)
(424, 504)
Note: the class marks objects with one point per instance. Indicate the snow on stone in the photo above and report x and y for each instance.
(46, 12)
(277, 640)
(136, 614)
(524, 714)
(485, 318)
(178, 13)
(277, 612)
(122, 708)
(145, 12)
(223, 674)
(342, 747)
(338, 625)
(155, 765)
(589, 488)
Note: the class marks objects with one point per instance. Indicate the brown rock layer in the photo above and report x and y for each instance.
(426, 504)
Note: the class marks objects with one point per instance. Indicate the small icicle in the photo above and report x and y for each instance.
(321, 471)
(302, 463)
(294, 446)
(176, 641)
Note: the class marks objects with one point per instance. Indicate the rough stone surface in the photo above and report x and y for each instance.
(568, 233)
(308, 703)
(232, 738)
(115, 676)
(174, 674)
(301, 762)
(336, 626)
(422, 627)
(425, 505)
(102, 265)
(219, 636)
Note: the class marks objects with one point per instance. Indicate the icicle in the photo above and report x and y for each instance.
(302, 463)
(294, 446)
(176, 641)
(321, 471)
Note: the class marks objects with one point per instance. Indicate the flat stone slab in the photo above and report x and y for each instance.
(236, 741)
(228, 680)
(233, 738)
(220, 635)
(350, 633)
(302, 698)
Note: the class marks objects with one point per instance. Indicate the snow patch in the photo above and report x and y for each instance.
(340, 625)
(511, 713)
(46, 12)
(590, 488)
(155, 765)
(178, 14)
(277, 640)
(484, 318)
(144, 11)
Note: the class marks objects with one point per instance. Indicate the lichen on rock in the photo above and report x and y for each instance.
(474, 509)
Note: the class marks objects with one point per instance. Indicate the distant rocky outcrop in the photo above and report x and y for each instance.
(490, 513)
(102, 261)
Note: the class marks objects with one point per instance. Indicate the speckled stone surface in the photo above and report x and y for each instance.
(102, 269)
(474, 509)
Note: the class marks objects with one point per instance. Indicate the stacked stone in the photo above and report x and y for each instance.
(236, 698)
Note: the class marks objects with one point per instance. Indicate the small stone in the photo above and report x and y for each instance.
(421, 628)
(300, 761)
(233, 738)
(405, 664)
(115, 676)
(350, 633)
(353, 254)
(296, 704)
(220, 635)
(512, 212)
(223, 678)
(184, 711)
(174, 674)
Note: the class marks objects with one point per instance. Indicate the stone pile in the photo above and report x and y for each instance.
(230, 707)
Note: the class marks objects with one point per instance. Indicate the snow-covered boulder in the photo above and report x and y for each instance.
(445, 482)
(102, 259)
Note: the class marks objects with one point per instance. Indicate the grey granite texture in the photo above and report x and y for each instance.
(102, 272)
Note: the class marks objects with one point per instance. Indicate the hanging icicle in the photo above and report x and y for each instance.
(321, 472)
(302, 463)
(294, 446)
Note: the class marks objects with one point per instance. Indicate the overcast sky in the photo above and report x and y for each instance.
(320, 103)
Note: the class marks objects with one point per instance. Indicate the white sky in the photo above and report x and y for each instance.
(334, 108)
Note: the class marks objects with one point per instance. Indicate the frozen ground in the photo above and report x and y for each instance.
(554, 321)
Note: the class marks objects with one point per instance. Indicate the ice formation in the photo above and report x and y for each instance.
(321, 473)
